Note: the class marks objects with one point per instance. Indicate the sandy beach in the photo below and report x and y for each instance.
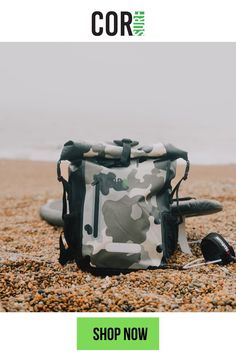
(33, 280)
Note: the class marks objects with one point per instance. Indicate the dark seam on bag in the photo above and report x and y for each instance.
(96, 209)
(82, 191)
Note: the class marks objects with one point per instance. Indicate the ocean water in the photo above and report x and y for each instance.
(43, 140)
(178, 93)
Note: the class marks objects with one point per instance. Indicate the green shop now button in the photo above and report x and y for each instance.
(118, 333)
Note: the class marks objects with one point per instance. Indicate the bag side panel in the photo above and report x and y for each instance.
(129, 225)
(71, 241)
(169, 225)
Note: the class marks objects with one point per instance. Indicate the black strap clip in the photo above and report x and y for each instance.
(59, 176)
(186, 170)
(126, 144)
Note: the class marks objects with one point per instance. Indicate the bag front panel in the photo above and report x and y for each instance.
(122, 219)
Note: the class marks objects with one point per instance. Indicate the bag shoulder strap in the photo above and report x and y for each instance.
(65, 185)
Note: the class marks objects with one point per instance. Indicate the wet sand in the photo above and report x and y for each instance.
(32, 279)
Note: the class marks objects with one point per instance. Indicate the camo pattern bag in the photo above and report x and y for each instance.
(116, 205)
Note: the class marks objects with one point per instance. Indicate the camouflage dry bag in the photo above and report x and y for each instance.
(117, 204)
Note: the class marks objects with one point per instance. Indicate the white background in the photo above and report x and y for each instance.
(70, 21)
(51, 333)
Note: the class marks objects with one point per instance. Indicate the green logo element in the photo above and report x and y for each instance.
(118, 333)
(138, 23)
(125, 183)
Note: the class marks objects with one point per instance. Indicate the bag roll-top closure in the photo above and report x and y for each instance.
(123, 150)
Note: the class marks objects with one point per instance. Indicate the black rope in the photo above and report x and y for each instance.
(175, 191)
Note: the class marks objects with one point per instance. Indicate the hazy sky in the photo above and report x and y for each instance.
(181, 93)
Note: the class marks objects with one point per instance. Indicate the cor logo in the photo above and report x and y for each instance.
(124, 23)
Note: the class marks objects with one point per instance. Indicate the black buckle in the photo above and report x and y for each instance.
(59, 176)
(126, 141)
(186, 170)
